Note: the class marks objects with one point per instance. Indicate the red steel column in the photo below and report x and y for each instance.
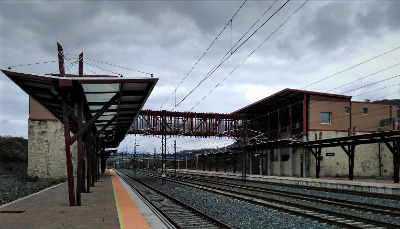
(89, 165)
(304, 115)
(279, 125)
(80, 170)
(98, 167)
(60, 60)
(290, 121)
(81, 64)
(79, 166)
(269, 128)
(68, 153)
(93, 166)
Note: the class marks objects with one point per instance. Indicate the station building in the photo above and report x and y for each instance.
(298, 115)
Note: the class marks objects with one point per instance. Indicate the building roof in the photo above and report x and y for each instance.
(283, 98)
(123, 97)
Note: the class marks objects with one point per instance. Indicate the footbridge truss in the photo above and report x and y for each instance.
(150, 122)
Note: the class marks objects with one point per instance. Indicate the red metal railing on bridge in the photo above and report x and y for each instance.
(149, 122)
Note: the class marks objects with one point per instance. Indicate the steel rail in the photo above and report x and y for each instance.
(211, 219)
(168, 222)
(366, 207)
(296, 209)
(326, 216)
(351, 192)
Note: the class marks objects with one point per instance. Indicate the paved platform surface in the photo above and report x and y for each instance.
(108, 205)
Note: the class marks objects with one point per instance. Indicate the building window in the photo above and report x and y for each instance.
(347, 110)
(326, 117)
(365, 111)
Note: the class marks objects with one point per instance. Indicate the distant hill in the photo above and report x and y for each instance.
(391, 101)
(13, 155)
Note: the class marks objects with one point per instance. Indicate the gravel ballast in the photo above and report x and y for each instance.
(236, 213)
(14, 187)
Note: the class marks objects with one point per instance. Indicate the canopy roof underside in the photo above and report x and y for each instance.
(126, 96)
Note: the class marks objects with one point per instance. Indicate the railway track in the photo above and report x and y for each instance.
(295, 204)
(341, 191)
(351, 205)
(176, 214)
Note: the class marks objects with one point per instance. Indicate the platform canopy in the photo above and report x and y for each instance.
(110, 104)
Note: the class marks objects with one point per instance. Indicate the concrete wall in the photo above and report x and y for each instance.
(46, 150)
(46, 145)
(285, 165)
(366, 159)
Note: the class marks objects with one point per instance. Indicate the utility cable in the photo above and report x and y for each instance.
(216, 86)
(219, 64)
(230, 52)
(366, 61)
(205, 52)
(393, 77)
(382, 70)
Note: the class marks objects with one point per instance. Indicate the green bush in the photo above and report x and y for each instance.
(13, 149)
(13, 155)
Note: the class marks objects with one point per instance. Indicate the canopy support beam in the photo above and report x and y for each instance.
(350, 153)
(395, 149)
(95, 117)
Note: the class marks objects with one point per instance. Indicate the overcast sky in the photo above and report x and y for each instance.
(167, 38)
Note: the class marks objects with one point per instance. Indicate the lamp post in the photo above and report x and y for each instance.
(154, 158)
(134, 154)
(164, 125)
(175, 155)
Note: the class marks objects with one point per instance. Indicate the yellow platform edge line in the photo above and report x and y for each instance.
(121, 222)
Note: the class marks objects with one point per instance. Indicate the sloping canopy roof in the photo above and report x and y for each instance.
(281, 99)
(124, 98)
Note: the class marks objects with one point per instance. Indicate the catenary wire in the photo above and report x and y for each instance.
(356, 65)
(217, 85)
(220, 64)
(205, 52)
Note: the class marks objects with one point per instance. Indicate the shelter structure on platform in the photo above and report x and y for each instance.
(94, 112)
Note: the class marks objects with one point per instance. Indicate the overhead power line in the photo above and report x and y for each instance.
(337, 73)
(216, 86)
(205, 52)
(370, 84)
(382, 70)
(232, 52)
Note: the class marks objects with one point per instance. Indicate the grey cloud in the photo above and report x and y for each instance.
(375, 17)
(168, 37)
(330, 26)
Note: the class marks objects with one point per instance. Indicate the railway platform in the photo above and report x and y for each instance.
(379, 186)
(110, 204)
